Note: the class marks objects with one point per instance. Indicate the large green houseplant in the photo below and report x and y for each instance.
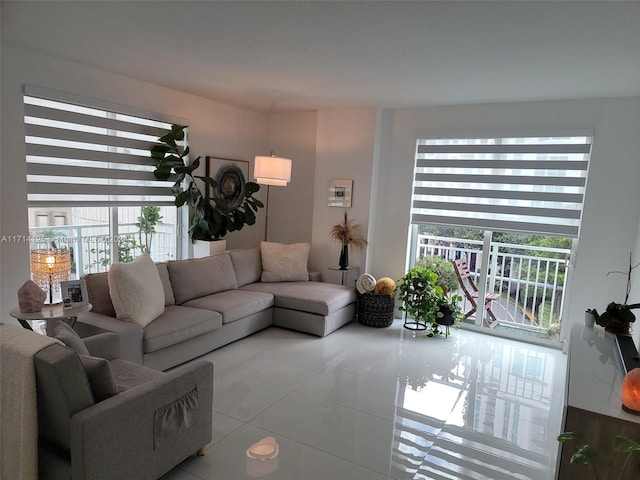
(212, 218)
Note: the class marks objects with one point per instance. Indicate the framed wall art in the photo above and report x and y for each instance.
(231, 177)
(340, 192)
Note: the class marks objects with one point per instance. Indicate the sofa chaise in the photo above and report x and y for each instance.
(212, 301)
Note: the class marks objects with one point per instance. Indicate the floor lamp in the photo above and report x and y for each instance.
(269, 171)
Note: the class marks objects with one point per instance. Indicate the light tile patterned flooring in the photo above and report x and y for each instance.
(373, 404)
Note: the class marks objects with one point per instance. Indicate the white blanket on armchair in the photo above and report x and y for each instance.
(18, 402)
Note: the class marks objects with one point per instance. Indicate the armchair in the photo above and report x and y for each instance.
(149, 424)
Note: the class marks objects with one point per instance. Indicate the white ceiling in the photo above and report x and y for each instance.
(281, 56)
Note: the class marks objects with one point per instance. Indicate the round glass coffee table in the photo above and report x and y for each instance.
(50, 312)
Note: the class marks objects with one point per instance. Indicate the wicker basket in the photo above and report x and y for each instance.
(375, 310)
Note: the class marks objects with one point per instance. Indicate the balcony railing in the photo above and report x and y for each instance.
(530, 279)
(90, 245)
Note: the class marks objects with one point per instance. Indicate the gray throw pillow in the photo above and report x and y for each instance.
(69, 337)
(100, 378)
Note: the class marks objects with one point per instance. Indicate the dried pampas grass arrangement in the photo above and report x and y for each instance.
(348, 233)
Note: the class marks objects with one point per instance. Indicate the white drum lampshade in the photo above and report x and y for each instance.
(272, 170)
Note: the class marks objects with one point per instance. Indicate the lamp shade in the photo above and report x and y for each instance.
(630, 391)
(272, 170)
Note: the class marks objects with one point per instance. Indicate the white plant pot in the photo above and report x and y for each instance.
(589, 319)
(202, 248)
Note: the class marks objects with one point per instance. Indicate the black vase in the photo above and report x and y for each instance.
(344, 257)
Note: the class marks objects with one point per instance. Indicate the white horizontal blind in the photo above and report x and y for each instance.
(79, 155)
(522, 184)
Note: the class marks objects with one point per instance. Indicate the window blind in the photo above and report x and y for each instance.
(79, 155)
(522, 184)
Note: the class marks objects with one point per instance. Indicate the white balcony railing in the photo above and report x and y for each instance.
(530, 279)
(90, 245)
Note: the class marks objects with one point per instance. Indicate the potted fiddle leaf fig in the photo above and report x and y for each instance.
(212, 218)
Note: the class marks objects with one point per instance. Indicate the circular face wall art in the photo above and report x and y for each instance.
(231, 182)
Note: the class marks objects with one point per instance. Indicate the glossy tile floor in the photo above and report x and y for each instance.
(374, 404)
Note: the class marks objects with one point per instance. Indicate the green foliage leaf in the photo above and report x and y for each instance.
(251, 188)
(624, 444)
(177, 131)
(158, 151)
(566, 436)
(208, 180)
(583, 455)
(169, 139)
(182, 198)
(249, 217)
(162, 172)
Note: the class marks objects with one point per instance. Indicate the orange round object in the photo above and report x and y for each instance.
(385, 286)
(630, 392)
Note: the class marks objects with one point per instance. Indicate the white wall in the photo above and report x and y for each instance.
(216, 129)
(292, 135)
(610, 218)
(345, 149)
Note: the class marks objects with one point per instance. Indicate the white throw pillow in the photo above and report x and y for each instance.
(136, 290)
(284, 263)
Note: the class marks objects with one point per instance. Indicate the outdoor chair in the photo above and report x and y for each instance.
(470, 290)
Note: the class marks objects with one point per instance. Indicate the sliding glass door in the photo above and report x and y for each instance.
(523, 277)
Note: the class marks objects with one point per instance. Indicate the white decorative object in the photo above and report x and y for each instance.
(136, 290)
(365, 283)
(204, 248)
(589, 319)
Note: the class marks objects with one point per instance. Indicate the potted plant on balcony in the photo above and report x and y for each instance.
(211, 219)
(419, 297)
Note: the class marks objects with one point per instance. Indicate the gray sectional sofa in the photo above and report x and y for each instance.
(213, 301)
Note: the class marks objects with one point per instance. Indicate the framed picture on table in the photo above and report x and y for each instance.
(230, 176)
(340, 192)
(74, 293)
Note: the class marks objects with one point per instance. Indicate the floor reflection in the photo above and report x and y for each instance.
(382, 404)
(480, 412)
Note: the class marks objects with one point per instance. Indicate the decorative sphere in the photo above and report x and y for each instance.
(385, 286)
(630, 393)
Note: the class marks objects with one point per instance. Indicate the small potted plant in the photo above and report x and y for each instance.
(617, 317)
(449, 310)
